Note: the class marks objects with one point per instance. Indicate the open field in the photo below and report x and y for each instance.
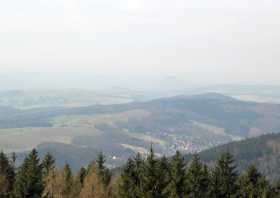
(186, 123)
(25, 100)
(22, 139)
(93, 120)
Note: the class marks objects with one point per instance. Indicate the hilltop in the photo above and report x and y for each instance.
(186, 123)
(263, 151)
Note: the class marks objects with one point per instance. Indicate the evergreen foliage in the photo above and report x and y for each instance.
(29, 183)
(151, 176)
(93, 184)
(103, 172)
(225, 175)
(131, 180)
(7, 176)
(48, 164)
(82, 174)
(177, 186)
(197, 179)
(141, 177)
(253, 184)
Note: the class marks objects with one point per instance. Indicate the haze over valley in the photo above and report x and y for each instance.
(139, 99)
(70, 121)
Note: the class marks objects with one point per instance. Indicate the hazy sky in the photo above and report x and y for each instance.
(200, 41)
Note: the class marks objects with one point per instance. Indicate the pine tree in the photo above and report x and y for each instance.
(14, 158)
(131, 185)
(214, 187)
(100, 161)
(177, 187)
(150, 175)
(61, 184)
(197, 179)
(48, 164)
(163, 176)
(127, 185)
(93, 185)
(82, 174)
(276, 189)
(224, 178)
(28, 182)
(54, 185)
(137, 176)
(7, 176)
(68, 180)
(114, 187)
(253, 184)
(152, 181)
(139, 170)
(103, 172)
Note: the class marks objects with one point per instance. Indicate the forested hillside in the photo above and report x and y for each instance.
(186, 123)
(263, 152)
(141, 177)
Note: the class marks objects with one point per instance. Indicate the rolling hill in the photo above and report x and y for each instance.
(185, 123)
(263, 151)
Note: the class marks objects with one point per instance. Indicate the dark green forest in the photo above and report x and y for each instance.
(141, 177)
(262, 151)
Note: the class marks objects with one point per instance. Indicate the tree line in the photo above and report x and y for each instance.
(140, 177)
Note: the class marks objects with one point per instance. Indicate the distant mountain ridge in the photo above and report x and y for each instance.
(185, 123)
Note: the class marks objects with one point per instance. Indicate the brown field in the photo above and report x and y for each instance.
(22, 139)
(64, 129)
(92, 120)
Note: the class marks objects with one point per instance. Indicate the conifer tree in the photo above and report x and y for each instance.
(149, 177)
(82, 174)
(68, 179)
(163, 177)
(48, 164)
(197, 179)
(54, 184)
(7, 176)
(152, 177)
(131, 185)
(276, 189)
(114, 187)
(29, 182)
(214, 186)
(13, 159)
(61, 184)
(177, 186)
(253, 184)
(93, 185)
(103, 172)
(224, 177)
(138, 175)
(127, 185)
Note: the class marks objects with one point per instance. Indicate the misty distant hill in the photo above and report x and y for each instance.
(185, 123)
(248, 92)
(28, 99)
